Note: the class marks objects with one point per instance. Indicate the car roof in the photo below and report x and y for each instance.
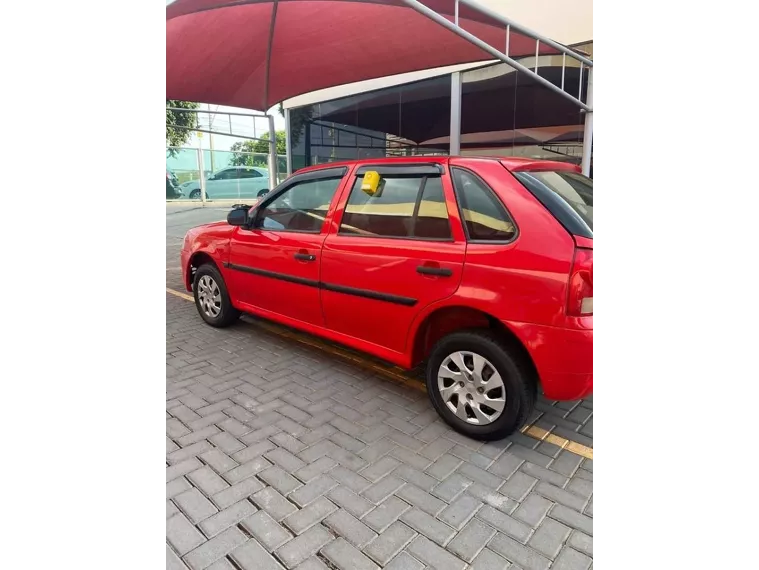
(513, 163)
(245, 166)
(378, 161)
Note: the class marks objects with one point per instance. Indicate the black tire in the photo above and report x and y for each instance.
(262, 193)
(518, 378)
(195, 194)
(228, 314)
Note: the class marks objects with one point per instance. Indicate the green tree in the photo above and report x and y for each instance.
(260, 146)
(241, 158)
(177, 137)
(263, 144)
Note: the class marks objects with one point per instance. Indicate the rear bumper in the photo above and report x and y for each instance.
(563, 358)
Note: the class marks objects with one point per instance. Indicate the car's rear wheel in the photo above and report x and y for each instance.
(480, 386)
(211, 297)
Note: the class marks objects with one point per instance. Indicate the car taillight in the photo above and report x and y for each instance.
(581, 284)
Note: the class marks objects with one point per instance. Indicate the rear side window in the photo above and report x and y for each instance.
(407, 207)
(567, 195)
(485, 218)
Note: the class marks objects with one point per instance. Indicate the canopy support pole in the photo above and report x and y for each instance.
(288, 142)
(455, 135)
(454, 27)
(454, 138)
(587, 139)
(272, 154)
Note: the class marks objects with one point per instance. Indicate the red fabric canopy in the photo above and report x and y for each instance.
(257, 53)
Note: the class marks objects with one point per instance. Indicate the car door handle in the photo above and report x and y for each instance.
(438, 271)
(304, 257)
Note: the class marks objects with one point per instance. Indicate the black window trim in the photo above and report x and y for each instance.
(418, 169)
(336, 173)
(414, 215)
(460, 202)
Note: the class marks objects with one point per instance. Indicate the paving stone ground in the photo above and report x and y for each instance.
(279, 455)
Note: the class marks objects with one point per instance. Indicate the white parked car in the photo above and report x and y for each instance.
(231, 183)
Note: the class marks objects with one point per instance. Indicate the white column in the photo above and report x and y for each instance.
(587, 139)
(455, 134)
(272, 154)
(201, 166)
(288, 150)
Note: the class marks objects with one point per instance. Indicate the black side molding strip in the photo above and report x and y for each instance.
(396, 299)
(273, 275)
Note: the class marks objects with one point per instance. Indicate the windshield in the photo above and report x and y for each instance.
(574, 189)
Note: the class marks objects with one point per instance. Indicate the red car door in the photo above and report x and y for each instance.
(388, 256)
(274, 265)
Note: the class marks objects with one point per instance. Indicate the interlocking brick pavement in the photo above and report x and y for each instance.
(279, 455)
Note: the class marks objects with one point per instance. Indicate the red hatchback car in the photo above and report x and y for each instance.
(480, 267)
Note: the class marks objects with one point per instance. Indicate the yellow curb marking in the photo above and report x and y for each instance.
(180, 294)
(399, 378)
(569, 445)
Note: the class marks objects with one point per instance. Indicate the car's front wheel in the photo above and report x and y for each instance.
(195, 194)
(480, 386)
(211, 297)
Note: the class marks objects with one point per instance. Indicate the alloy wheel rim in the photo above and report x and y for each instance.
(209, 296)
(471, 387)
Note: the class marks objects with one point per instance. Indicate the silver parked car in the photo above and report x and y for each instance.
(231, 183)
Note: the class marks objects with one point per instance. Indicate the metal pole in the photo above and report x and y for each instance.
(454, 138)
(526, 31)
(210, 136)
(195, 129)
(307, 143)
(272, 154)
(201, 166)
(587, 139)
(288, 150)
(435, 17)
(182, 110)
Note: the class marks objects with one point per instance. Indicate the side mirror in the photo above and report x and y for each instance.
(238, 217)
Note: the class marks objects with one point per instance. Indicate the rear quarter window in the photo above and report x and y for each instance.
(567, 195)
